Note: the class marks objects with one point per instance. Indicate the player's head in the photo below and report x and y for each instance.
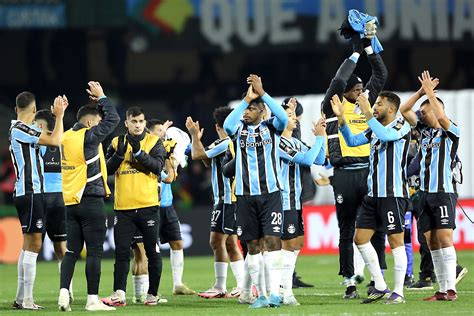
(386, 106)
(155, 127)
(135, 120)
(427, 115)
(354, 87)
(292, 119)
(25, 101)
(45, 120)
(255, 112)
(219, 115)
(89, 115)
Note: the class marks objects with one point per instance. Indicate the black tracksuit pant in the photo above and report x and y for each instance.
(147, 220)
(350, 188)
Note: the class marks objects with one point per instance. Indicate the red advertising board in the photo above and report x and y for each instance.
(322, 232)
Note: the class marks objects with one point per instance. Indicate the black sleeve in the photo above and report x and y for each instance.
(111, 119)
(155, 160)
(414, 166)
(378, 78)
(228, 169)
(113, 160)
(337, 86)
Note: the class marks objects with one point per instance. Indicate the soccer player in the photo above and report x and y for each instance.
(84, 175)
(25, 139)
(294, 153)
(387, 200)
(439, 144)
(137, 159)
(170, 229)
(259, 207)
(223, 238)
(351, 164)
(55, 210)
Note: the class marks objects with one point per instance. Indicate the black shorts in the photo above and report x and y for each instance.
(30, 209)
(292, 224)
(55, 211)
(170, 230)
(223, 219)
(259, 215)
(137, 238)
(383, 214)
(437, 211)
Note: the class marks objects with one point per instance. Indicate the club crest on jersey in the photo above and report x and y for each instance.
(239, 231)
(339, 198)
(291, 229)
(39, 223)
(106, 222)
(115, 220)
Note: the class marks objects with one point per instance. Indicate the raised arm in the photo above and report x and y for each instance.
(197, 148)
(54, 139)
(109, 122)
(428, 86)
(378, 78)
(232, 122)
(280, 120)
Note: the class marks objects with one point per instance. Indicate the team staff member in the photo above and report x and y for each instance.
(84, 188)
(137, 160)
(351, 164)
(24, 139)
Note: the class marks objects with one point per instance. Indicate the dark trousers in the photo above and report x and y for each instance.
(350, 187)
(147, 221)
(85, 222)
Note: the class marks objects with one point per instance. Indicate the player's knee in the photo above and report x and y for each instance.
(95, 251)
(74, 255)
(272, 243)
(216, 243)
(176, 245)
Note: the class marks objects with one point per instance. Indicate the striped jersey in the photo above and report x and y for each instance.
(257, 168)
(24, 151)
(388, 156)
(438, 152)
(294, 153)
(51, 157)
(221, 186)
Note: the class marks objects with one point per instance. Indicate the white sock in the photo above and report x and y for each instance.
(372, 261)
(247, 281)
(220, 270)
(449, 259)
(177, 266)
(399, 268)
(29, 268)
(92, 299)
(20, 290)
(274, 263)
(266, 269)
(439, 269)
(255, 270)
(237, 268)
(288, 267)
(359, 263)
(139, 284)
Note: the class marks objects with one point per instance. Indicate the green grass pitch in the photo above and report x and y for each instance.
(324, 299)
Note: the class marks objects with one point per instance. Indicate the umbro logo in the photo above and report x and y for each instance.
(276, 229)
(150, 223)
(444, 221)
(391, 227)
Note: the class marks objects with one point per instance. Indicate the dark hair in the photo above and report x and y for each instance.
(257, 101)
(220, 114)
(352, 81)
(427, 101)
(24, 99)
(48, 117)
(134, 111)
(88, 109)
(391, 97)
(153, 122)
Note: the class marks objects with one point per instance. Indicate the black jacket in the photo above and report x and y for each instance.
(153, 161)
(93, 139)
(375, 84)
